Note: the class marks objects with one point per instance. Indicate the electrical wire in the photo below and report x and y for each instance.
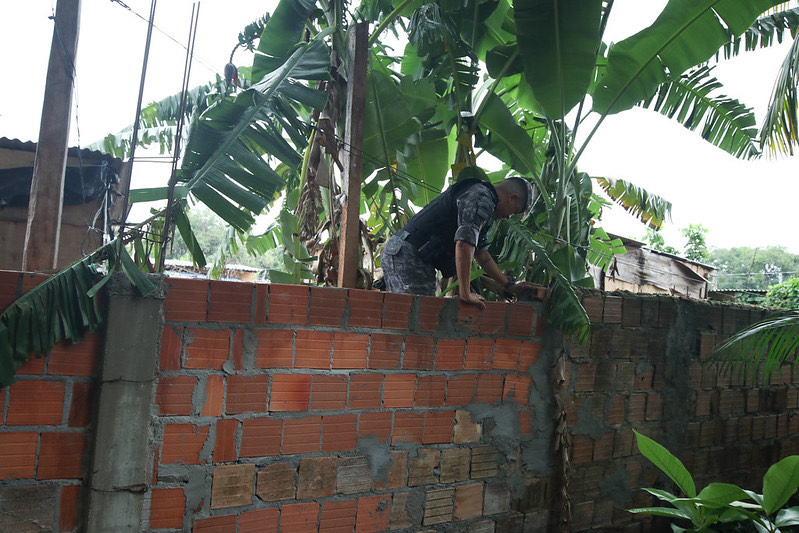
(165, 34)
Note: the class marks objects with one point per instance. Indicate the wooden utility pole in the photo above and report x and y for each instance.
(349, 244)
(43, 231)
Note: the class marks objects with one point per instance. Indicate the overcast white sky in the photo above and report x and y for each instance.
(742, 203)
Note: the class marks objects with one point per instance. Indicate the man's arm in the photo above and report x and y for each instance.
(464, 253)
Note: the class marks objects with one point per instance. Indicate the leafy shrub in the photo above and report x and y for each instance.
(785, 295)
(723, 503)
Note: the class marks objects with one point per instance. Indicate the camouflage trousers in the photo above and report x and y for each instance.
(404, 271)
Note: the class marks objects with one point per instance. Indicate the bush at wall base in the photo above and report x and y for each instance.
(722, 506)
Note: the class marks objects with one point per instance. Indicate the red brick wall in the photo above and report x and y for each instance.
(284, 398)
(46, 423)
(643, 369)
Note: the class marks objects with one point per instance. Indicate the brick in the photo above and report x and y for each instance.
(492, 319)
(449, 354)
(365, 391)
(214, 395)
(166, 508)
(299, 517)
(479, 354)
(230, 301)
(69, 503)
(260, 437)
(33, 403)
(385, 351)
(80, 359)
(349, 350)
(526, 425)
(232, 486)
(365, 309)
(460, 389)
(400, 516)
(654, 406)
(489, 388)
(507, 353)
(174, 394)
(261, 301)
(259, 521)
(593, 305)
(80, 410)
(354, 475)
(207, 349)
(171, 348)
(313, 349)
(373, 514)
(215, 524)
(327, 306)
(247, 394)
(33, 366)
(613, 310)
(604, 376)
(529, 354)
(275, 348)
(277, 482)
(429, 310)
(9, 284)
(398, 390)
(18, 454)
(517, 389)
(339, 432)
(375, 424)
(468, 501)
(237, 349)
(419, 352)
(438, 427)
(225, 440)
(396, 310)
(423, 469)
(61, 455)
(182, 443)
(394, 477)
(328, 393)
(484, 462)
(430, 391)
(186, 300)
(467, 318)
(521, 320)
(582, 449)
(438, 506)
(454, 465)
(603, 447)
(408, 427)
(466, 431)
(290, 392)
(338, 516)
(288, 304)
(302, 435)
(631, 312)
(317, 478)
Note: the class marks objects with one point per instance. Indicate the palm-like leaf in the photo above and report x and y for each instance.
(780, 131)
(687, 33)
(61, 308)
(558, 43)
(768, 343)
(763, 33)
(721, 121)
(651, 209)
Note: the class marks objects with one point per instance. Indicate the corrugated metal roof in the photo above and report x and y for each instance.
(30, 146)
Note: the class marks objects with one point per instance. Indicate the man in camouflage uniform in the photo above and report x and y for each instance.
(448, 233)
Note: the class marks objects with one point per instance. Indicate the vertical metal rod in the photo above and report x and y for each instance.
(195, 17)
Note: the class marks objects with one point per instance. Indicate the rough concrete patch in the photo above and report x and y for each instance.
(414, 506)
(198, 491)
(250, 345)
(379, 456)
(587, 424)
(503, 427)
(448, 320)
(616, 486)
(536, 456)
(28, 508)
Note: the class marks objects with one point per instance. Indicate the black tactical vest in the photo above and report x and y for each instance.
(432, 230)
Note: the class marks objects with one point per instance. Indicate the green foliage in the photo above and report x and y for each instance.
(63, 307)
(656, 241)
(722, 502)
(651, 209)
(696, 244)
(753, 268)
(785, 295)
